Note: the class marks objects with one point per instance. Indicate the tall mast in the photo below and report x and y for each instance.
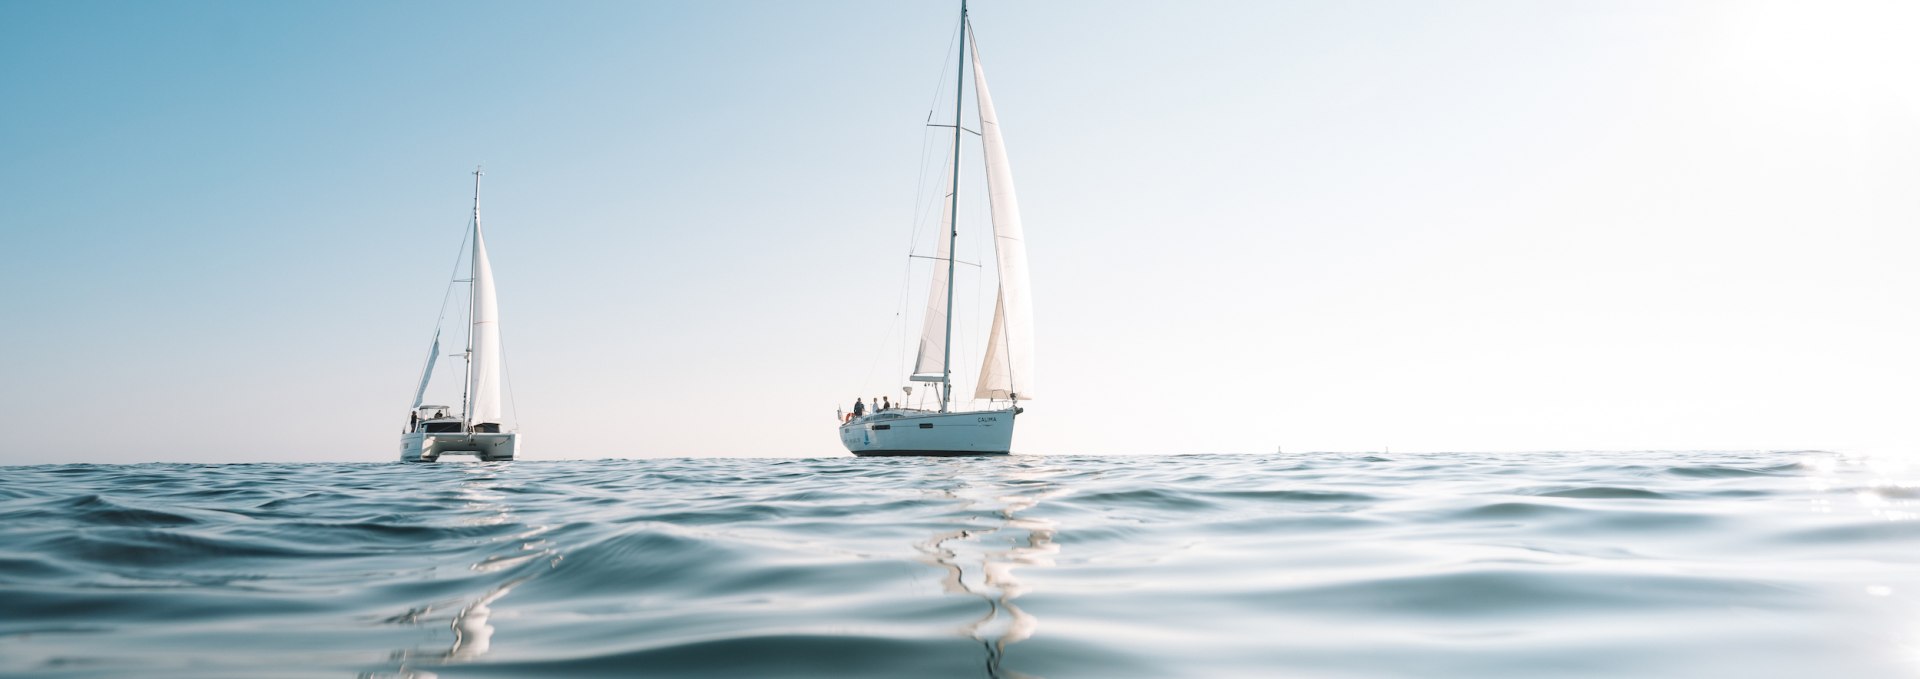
(953, 226)
(473, 267)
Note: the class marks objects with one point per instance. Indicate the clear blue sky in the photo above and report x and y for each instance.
(225, 226)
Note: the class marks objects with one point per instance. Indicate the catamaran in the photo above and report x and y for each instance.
(1006, 372)
(475, 427)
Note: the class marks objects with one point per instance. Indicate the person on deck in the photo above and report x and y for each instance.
(859, 408)
(888, 402)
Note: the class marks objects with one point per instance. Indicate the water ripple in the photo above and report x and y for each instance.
(1446, 564)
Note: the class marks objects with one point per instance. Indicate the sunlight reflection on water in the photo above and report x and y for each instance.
(1444, 565)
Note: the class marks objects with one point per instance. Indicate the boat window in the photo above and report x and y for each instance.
(926, 425)
(882, 427)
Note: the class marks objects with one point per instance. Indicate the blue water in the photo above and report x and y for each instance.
(1311, 565)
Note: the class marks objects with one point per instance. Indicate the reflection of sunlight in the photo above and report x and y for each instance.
(485, 504)
(973, 568)
(1890, 491)
(472, 635)
(481, 494)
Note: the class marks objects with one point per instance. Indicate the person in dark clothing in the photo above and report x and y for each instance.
(888, 402)
(859, 408)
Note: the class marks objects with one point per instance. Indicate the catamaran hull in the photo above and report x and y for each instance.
(986, 432)
(424, 447)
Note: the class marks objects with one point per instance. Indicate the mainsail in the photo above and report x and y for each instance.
(1007, 372)
(483, 369)
(931, 366)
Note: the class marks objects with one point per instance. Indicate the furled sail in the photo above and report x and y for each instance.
(484, 366)
(1007, 372)
(931, 366)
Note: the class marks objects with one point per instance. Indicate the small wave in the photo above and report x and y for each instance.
(139, 548)
(1293, 495)
(1514, 510)
(1605, 493)
(1527, 593)
(1151, 498)
(1877, 533)
(97, 510)
(1896, 492)
(773, 655)
(1729, 471)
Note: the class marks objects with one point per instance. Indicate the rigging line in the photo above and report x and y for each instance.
(920, 211)
(942, 259)
(933, 103)
(900, 308)
(939, 82)
(447, 296)
(880, 352)
(506, 367)
(919, 189)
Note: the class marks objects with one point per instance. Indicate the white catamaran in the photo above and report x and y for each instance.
(1006, 372)
(475, 429)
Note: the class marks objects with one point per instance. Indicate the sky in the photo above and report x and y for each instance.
(226, 227)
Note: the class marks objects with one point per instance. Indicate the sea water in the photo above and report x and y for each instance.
(1593, 564)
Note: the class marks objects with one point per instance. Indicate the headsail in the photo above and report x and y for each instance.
(484, 365)
(1007, 372)
(932, 363)
(426, 375)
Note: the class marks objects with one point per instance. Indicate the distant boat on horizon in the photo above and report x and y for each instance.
(1006, 372)
(475, 428)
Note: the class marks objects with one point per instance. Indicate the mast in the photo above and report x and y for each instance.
(466, 387)
(953, 226)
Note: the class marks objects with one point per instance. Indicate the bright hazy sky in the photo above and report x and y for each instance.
(225, 226)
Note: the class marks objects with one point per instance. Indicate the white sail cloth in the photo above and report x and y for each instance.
(426, 375)
(483, 369)
(931, 366)
(1007, 372)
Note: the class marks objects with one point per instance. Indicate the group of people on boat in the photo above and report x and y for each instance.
(413, 420)
(860, 408)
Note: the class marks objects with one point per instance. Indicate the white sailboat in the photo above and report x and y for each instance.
(475, 428)
(1006, 372)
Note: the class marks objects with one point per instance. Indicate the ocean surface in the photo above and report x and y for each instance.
(1763, 564)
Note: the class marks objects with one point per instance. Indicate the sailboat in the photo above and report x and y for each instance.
(475, 427)
(1006, 371)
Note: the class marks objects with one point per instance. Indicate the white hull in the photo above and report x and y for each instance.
(425, 447)
(925, 432)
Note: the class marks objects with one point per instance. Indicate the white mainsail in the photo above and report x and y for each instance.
(931, 366)
(483, 369)
(1007, 372)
